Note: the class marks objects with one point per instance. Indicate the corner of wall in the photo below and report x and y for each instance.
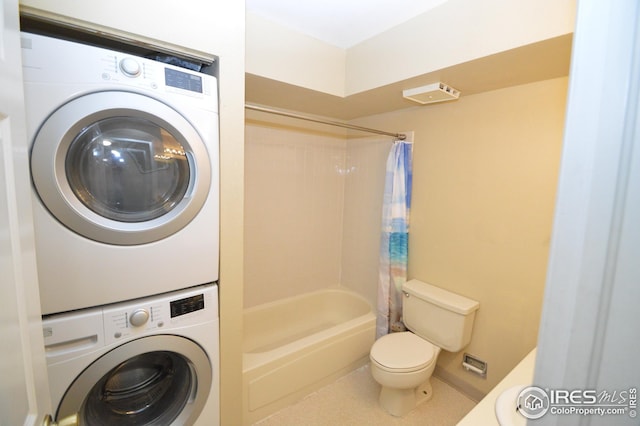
(282, 54)
(455, 32)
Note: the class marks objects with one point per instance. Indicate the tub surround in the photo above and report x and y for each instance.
(313, 208)
(293, 217)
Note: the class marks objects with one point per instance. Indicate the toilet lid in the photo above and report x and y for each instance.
(402, 351)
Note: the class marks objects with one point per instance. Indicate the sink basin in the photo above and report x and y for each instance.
(506, 404)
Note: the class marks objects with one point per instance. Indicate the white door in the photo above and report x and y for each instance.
(589, 334)
(24, 398)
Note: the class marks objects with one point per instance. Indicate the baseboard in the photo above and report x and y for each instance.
(460, 385)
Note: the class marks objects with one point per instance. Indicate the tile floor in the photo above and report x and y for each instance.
(353, 401)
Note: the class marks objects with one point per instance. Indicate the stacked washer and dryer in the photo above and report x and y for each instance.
(124, 162)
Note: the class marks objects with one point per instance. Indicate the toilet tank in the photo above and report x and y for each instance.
(439, 316)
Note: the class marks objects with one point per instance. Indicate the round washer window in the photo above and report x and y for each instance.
(155, 380)
(120, 168)
(151, 388)
(127, 169)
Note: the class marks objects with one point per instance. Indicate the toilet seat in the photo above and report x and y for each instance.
(402, 352)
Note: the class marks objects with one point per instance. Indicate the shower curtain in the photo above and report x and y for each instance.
(394, 242)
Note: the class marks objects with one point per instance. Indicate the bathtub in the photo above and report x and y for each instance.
(293, 346)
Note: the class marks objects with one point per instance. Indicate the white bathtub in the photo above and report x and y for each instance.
(293, 346)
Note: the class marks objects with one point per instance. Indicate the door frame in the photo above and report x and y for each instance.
(24, 389)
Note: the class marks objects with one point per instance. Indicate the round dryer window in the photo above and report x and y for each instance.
(142, 383)
(120, 168)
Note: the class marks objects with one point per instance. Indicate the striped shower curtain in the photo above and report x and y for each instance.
(394, 242)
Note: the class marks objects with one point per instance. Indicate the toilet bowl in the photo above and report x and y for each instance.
(402, 363)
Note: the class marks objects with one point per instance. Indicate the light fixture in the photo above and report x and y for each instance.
(431, 93)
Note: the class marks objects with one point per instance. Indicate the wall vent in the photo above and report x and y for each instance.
(431, 93)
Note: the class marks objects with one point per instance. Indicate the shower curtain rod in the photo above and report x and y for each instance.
(399, 136)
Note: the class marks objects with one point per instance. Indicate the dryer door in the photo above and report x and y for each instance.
(120, 168)
(155, 380)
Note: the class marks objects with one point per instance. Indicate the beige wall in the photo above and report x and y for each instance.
(215, 27)
(279, 53)
(485, 171)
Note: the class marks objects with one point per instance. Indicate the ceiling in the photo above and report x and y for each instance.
(342, 23)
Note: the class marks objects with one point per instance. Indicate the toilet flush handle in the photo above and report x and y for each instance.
(406, 294)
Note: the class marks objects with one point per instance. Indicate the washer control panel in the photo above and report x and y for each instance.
(72, 334)
(186, 305)
(132, 319)
(129, 320)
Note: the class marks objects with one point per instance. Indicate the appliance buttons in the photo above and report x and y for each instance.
(130, 67)
(139, 317)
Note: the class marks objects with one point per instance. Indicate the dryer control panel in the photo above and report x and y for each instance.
(47, 60)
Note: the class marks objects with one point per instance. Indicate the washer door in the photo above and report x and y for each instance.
(120, 168)
(157, 380)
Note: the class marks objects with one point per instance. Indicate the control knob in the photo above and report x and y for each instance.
(130, 67)
(139, 317)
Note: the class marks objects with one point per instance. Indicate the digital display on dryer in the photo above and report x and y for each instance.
(187, 305)
(183, 80)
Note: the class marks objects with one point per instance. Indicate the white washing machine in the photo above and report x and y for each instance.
(152, 361)
(124, 162)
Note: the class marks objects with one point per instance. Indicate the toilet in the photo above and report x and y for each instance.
(402, 363)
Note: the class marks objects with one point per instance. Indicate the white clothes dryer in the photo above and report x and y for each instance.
(152, 361)
(124, 162)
